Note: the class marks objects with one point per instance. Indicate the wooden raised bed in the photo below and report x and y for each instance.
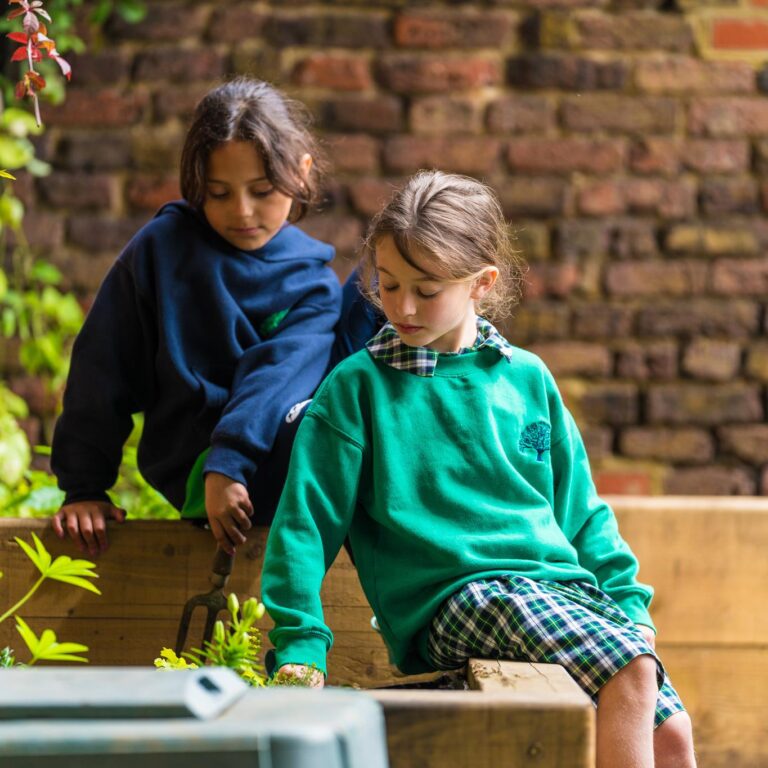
(705, 557)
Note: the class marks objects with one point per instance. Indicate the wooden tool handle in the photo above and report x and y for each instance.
(222, 567)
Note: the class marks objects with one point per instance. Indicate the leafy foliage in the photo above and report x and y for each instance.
(46, 647)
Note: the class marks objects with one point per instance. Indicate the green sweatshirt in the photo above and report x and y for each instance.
(471, 473)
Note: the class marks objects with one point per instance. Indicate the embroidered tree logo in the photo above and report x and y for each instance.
(536, 436)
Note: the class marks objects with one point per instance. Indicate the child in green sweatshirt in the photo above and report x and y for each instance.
(449, 459)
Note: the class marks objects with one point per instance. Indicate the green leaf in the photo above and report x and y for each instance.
(132, 11)
(15, 152)
(6, 175)
(101, 12)
(76, 572)
(46, 647)
(20, 123)
(3, 283)
(11, 208)
(40, 557)
(45, 272)
(38, 167)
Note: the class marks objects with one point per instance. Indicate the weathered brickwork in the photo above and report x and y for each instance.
(627, 139)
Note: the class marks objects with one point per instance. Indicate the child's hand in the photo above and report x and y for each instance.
(648, 634)
(85, 522)
(229, 510)
(301, 674)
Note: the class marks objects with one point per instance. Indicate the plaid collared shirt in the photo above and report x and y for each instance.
(387, 346)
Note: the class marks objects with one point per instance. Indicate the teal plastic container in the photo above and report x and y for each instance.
(135, 718)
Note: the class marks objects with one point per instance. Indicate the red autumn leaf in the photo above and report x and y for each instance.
(20, 54)
(15, 14)
(30, 23)
(64, 66)
(18, 37)
(21, 90)
(35, 79)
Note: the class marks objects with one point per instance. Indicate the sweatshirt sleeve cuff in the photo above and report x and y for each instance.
(310, 650)
(634, 607)
(230, 462)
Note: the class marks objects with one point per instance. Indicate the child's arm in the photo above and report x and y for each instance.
(590, 525)
(312, 520)
(109, 380)
(270, 378)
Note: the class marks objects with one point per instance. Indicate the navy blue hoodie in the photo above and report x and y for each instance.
(212, 343)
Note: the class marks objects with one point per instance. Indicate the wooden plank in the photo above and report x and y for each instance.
(706, 560)
(725, 690)
(512, 719)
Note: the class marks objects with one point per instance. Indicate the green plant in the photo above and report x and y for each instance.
(236, 644)
(46, 647)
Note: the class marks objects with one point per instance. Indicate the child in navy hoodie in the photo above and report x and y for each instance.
(215, 321)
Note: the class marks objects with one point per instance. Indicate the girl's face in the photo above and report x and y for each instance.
(426, 308)
(240, 202)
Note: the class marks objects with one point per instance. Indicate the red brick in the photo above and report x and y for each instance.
(376, 114)
(581, 239)
(566, 155)
(654, 155)
(704, 404)
(79, 190)
(623, 482)
(91, 151)
(157, 149)
(537, 320)
(179, 101)
(461, 154)
(545, 279)
(712, 359)
(533, 197)
(726, 240)
(428, 28)
(614, 402)
(625, 114)
(44, 230)
(693, 446)
(532, 239)
(749, 443)
(104, 108)
(413, 74)
(100, 68)
(713, 156)
(336, 71)
(148, 193)
(180, 64)
(738, 34)
(668, 199)
(442, 115)
(164, 21)
(602, 321)
(521, 113)
(651, 278)
(729, 196)
(756, 366)
(356, 153)
(100, 233)
(733, 318)
(345, 28)
(635, 31)
(368, 196)
(574, 358)
(633, 239)
(711, 480)
(647, 360)
(726, 118)
(682, 75)
(342, 232)
(598, 441)
(741, 277)
(233, 22)
(566, 72)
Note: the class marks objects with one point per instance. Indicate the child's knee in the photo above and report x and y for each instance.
(673, 742)
(637, 679)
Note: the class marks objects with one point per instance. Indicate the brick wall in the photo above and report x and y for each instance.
(628, 141)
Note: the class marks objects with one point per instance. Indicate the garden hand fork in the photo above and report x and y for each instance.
(214, 600)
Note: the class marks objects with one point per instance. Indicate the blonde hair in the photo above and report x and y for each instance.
(455, 222)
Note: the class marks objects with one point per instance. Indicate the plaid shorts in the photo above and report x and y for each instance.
(572, 624)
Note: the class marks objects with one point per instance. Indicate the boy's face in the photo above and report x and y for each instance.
(240, 202)
(426, 309)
